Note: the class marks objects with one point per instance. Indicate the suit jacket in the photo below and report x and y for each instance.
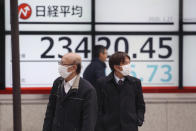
(120, 108)
(74, 111)
(94, 71)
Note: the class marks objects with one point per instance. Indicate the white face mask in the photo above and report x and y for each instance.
(63, 71)
(126, 70)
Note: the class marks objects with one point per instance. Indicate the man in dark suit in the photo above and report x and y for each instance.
(73, 102)
(120, 98)
(96, 69)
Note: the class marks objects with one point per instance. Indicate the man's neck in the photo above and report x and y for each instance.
(118, 74)
(100, 59)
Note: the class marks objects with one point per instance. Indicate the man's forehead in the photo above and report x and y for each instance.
(126, 60)
(70, 57)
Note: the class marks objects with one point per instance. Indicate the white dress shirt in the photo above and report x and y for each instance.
(68, 85)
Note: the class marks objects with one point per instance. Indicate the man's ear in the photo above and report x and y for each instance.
(74, 67)
(100, 55)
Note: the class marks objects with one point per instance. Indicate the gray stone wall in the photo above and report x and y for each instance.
(164, 112)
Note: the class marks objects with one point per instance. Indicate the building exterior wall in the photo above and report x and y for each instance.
(164, 112)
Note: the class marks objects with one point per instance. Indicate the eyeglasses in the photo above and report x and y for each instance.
(61, 63)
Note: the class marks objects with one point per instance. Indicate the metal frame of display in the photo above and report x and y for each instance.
(2, 45)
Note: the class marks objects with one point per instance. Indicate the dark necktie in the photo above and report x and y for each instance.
(120, 83)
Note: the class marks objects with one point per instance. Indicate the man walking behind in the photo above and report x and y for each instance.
(96, 69)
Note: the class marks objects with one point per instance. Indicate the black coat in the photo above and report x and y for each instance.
(94, 71)
(120, 109)
(75, 111)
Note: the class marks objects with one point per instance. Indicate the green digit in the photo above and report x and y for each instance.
(168, 73)
(155, 67)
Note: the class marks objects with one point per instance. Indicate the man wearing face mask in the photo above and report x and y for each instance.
(121, 105)
(73, 102)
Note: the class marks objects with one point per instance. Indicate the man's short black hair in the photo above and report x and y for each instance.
(117, 58)
(97, 50)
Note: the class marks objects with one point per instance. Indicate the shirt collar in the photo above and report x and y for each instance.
(70, 82)
(117, 78)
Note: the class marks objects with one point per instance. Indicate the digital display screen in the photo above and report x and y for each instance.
(137, 15)
(154, 59)
(148, 30)
(189, 15)
(39, 56)
(51, 15)
(189, 61)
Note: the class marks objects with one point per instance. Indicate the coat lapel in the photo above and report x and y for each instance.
(74, 89)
